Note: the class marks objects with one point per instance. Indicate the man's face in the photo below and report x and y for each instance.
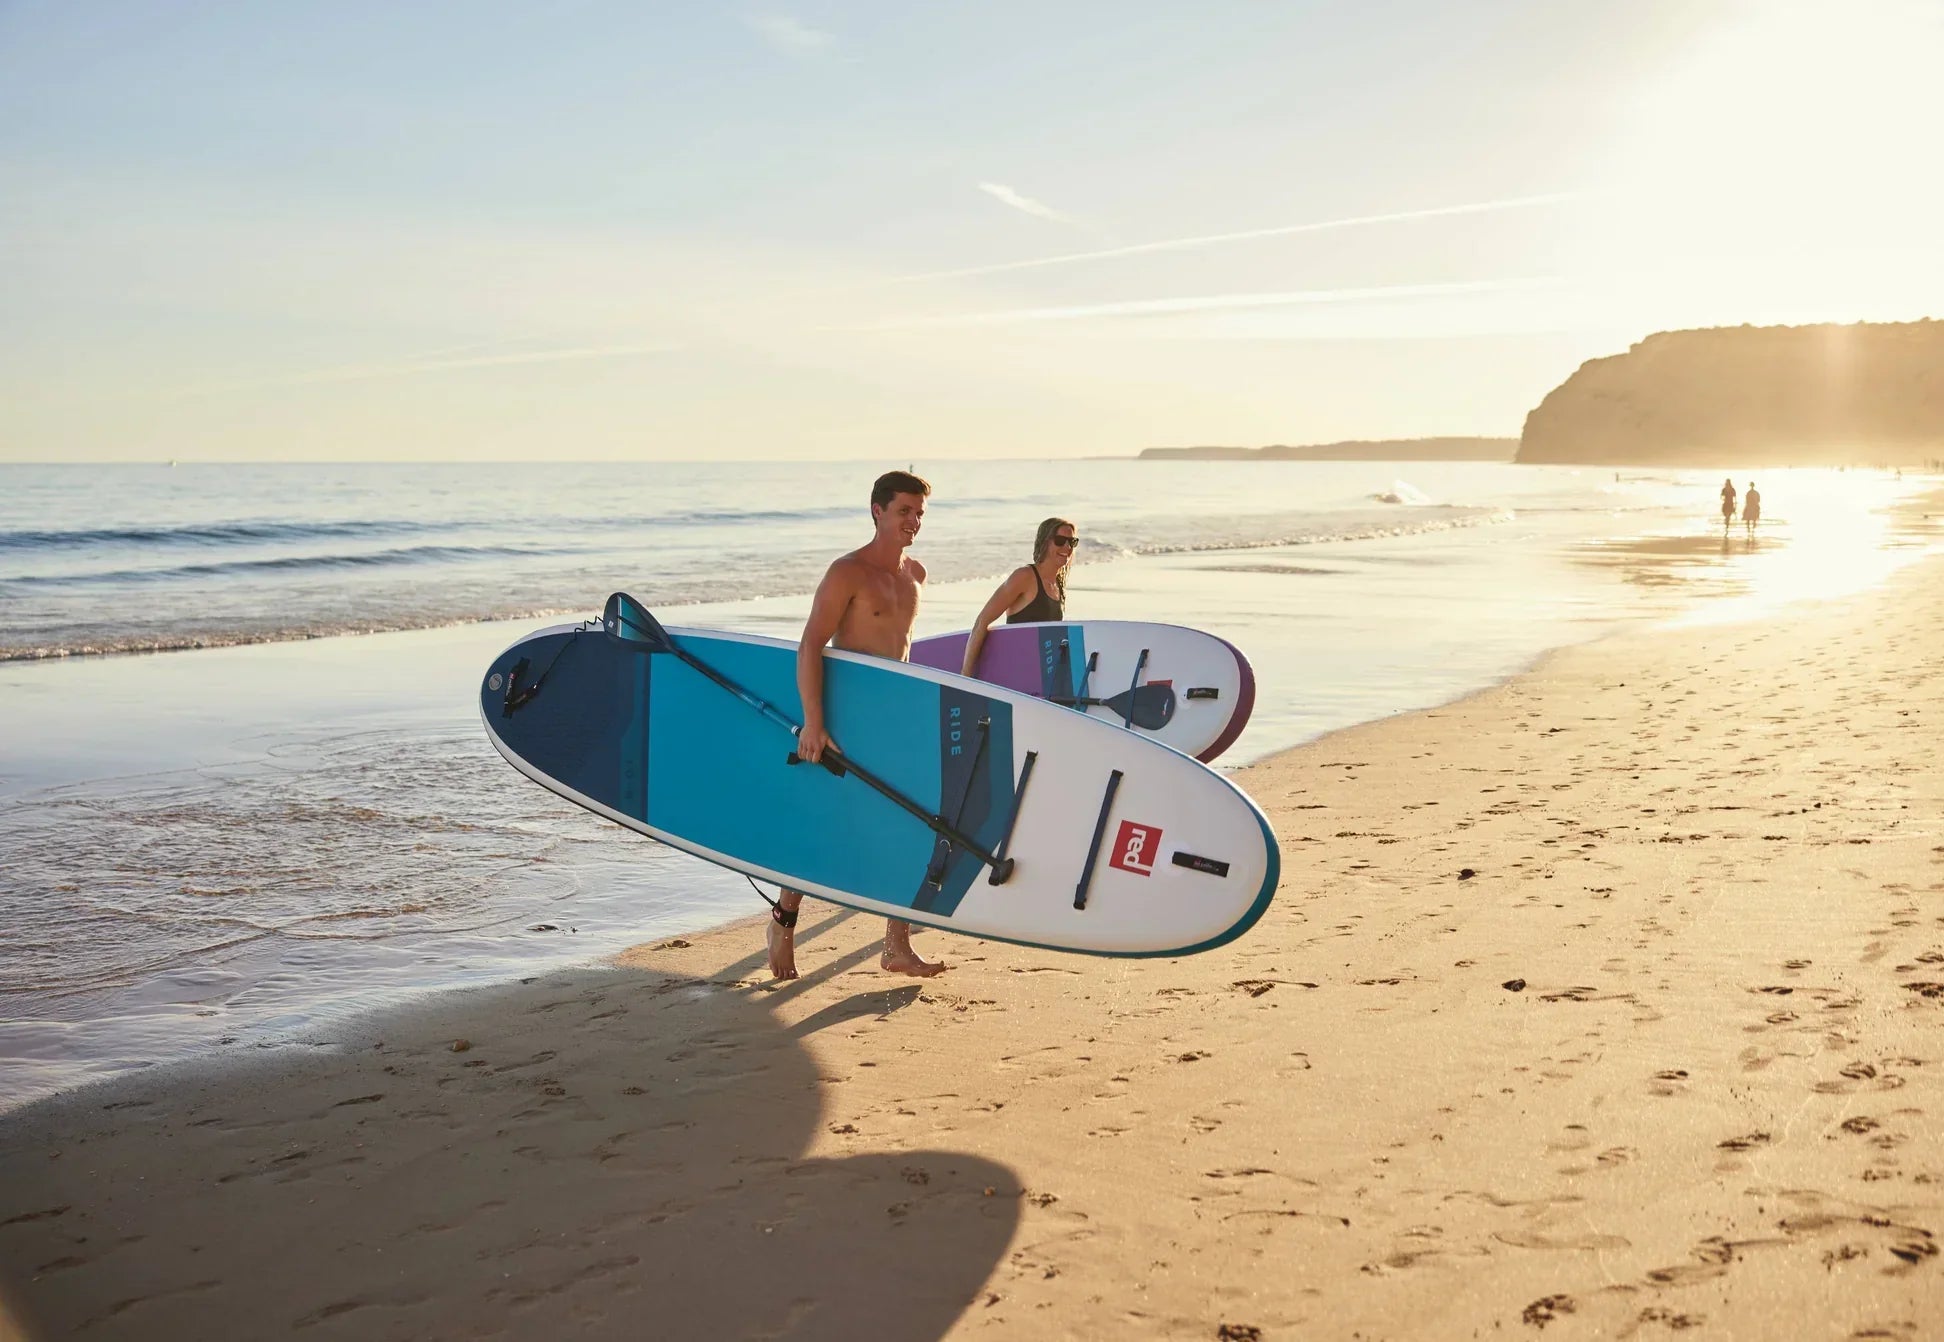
(900, 519)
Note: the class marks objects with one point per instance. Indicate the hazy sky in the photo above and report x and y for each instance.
(597, 230)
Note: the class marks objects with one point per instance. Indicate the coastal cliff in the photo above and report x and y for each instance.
(1866, 394)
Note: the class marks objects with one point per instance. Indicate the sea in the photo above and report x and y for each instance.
(244, 794)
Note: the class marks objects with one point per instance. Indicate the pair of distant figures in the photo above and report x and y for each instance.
(1751, 505)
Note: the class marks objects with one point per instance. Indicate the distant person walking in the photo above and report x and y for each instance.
(1751, 507)
(1727, 503)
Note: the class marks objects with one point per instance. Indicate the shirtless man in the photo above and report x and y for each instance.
(867, 602)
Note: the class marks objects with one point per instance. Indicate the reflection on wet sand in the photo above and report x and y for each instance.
(1833, 540)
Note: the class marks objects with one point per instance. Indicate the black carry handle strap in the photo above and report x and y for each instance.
(1127, 713)
(1093, 849)
(1019, 795)
(1086, 676)
(516, 698)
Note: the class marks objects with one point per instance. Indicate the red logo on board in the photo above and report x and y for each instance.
(1135, 847)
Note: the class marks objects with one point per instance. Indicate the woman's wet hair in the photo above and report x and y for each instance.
(1043, 539)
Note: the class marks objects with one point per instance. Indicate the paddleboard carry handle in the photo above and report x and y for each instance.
(1012, 818)
(1093, 849)
(518, 697)
(1140, 665)
(632, 625)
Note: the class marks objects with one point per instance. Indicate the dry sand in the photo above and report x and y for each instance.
(1606, 1003)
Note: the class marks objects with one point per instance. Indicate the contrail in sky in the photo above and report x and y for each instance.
(1005, 195)
(1248, 235)
(1153, 307)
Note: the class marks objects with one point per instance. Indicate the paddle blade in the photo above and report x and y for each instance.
(1152, 706)
(631, 625)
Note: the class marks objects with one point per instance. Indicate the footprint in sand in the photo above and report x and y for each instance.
(1668, 1318)
(1862, 1076)
(1546, 1309)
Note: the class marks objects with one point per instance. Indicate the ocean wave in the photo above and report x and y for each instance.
(148, 641)
(548, 594)
(278, 533)
(208, 533)
(413, 554)
(1404, 492)
(1434, 517)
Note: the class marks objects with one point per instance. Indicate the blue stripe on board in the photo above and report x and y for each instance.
(982, 777)
(1062, 660)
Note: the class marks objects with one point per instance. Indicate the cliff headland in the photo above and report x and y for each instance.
(1829, 395)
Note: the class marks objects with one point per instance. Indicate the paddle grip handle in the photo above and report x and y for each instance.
(829, 761)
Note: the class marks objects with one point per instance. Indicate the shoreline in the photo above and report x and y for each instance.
(1708, 857)
(698, 901)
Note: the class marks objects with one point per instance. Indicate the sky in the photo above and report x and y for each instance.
(640, 231)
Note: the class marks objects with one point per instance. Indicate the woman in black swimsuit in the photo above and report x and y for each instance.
(1035, 591)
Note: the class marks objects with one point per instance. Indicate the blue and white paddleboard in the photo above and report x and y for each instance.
(960, 804)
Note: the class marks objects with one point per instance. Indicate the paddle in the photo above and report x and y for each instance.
(630, 625)
(1149, 707)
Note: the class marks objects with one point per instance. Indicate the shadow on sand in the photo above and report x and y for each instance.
(611, 1155)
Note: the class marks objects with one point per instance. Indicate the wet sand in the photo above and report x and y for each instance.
(1606, 1003)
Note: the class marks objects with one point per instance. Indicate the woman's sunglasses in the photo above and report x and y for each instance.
(1065, 542)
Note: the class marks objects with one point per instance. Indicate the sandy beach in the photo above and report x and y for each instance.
(1605, 1003)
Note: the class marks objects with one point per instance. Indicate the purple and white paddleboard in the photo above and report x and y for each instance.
(1184, 688)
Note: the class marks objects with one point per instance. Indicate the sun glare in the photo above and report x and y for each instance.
(1827, 534)
(1781, 167)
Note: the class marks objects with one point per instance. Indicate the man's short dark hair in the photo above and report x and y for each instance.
(893, 483)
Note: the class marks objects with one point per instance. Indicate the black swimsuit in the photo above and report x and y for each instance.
(1041, 608)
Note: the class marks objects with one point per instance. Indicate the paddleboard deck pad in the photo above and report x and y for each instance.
(1185, 688)
(952, 803)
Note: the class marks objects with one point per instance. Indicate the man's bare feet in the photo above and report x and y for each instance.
(899, 958)
(780, 936)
